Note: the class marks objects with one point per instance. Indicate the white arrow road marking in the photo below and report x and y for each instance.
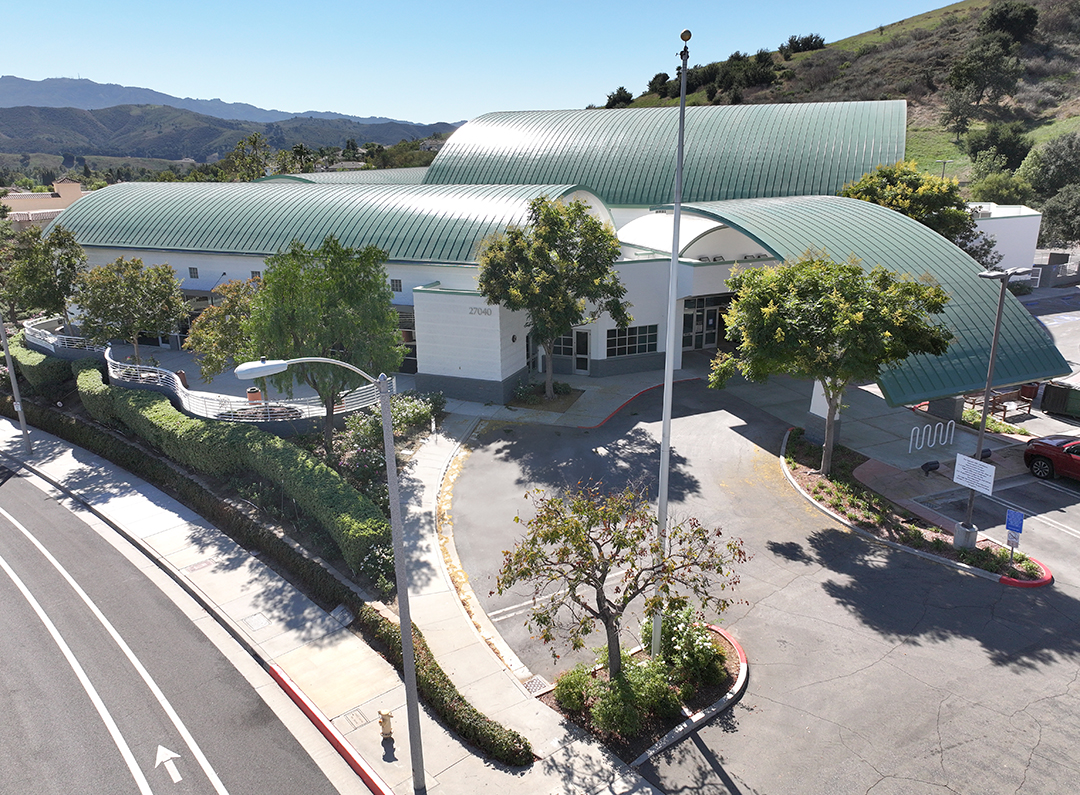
(204, 763)
(167, 756)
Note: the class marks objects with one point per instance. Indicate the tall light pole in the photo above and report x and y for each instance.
(1003, 277)
(669, 340)
(27, 444)
(264, 368)
(943, 162)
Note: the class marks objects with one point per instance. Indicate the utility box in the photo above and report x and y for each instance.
(1061, 399)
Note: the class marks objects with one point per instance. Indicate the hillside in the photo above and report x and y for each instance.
(159, 131)
(911, 59)
(66, 92)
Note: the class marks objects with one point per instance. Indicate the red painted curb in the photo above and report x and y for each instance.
(372, 779)
(635, 397)
(1046, 580)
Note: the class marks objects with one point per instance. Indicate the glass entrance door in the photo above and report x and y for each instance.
(581, 352)
(701, 322)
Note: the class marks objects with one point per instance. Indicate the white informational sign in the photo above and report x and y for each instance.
(1013, 539)
(819, 404)
(974, 474)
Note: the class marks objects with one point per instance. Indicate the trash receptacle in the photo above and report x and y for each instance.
(254, 395)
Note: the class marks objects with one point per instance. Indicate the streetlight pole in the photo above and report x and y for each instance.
(669, 340)
(943, 162)
(1003, 277)
(264, 368)
(16, 399)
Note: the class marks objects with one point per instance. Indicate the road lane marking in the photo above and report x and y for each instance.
(1037, 516)
(164, 755)
(84, 680)
(174, 717)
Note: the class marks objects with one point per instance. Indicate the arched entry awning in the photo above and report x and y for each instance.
(787, 227)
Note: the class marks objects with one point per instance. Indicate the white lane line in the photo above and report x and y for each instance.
(1064, 528)
(204, 763)
(84, 680)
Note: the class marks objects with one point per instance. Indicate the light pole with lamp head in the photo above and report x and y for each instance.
(966, 534)
(264, 368)
(669, 339)
(943, 163)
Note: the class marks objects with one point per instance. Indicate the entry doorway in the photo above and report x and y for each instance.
(701, 322)
(581, 352)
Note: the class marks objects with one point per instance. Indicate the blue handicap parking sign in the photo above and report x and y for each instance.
(1014, 521)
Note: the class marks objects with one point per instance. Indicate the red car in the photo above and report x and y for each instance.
(1052, 456)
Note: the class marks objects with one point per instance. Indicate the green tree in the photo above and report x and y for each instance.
(1006, 138)
(1002, 188)
(990, 67)
(334, 302)
(303, 158)
(219, 334)
(619, 98)
(959, 110)
(832, 322)
(1052, 166)
(249, 159)
(1061, 219)
(658, 84)
(1017, 19)
(46, 269)
(932, 201)
(589, 555)
(125, 298)
(559, 269)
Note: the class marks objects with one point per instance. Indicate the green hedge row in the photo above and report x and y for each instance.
(44, 373)
(224, 448)
(435, 687)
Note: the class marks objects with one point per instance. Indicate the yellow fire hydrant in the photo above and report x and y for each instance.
(384, 723)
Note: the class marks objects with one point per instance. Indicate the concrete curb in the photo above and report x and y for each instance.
(695, 721)
(986, 575)
(367, 774)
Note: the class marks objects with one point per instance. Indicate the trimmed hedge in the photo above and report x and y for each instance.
(355, 524)
(435, 687)
(44, 373)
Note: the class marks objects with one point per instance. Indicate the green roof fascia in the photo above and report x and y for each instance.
(421, 223)
(842, 227)
(436, 287)
(627, 156)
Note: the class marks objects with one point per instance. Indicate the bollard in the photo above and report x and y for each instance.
(384, 723)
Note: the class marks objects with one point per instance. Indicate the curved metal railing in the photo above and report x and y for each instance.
(43, 332)
(212, 405)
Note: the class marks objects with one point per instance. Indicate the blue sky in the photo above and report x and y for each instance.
(412, 60)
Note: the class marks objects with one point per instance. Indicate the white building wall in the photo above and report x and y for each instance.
(1015, 229)
(459, 335)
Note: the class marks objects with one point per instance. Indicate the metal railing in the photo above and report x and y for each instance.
(212, 405)
(45, 338)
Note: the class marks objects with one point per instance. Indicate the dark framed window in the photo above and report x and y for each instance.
(631, 341)
(395, 285)
(564, 346)
(193, 273)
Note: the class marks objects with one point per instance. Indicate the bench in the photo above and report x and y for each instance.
(1003, 403)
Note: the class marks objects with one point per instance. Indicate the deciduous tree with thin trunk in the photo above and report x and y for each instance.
(588, 555)
(559, 269)
(833, 322)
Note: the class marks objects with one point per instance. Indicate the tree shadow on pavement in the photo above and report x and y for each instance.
(906, 598)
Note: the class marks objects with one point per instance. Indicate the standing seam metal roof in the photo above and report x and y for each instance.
(627, 157)
(842, 227)
(433, 223)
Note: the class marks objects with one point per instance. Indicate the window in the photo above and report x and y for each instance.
(395, 285)
(630, 341)
(564, 346)
(256, 274)
(193, 273)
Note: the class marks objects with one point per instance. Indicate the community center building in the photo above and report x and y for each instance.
(759, 186)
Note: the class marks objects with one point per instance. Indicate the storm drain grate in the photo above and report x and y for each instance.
(537, 684)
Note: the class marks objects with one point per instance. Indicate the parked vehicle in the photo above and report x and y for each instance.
(1053, 456)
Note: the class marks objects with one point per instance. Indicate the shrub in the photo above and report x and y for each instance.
(95, 394)
(561, 387)
(44, 374)
(615, 710)
(652, 687)
(572, 688)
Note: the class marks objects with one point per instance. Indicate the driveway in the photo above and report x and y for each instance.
(870, 670)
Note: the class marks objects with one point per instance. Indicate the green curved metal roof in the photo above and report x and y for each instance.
(422, 223)
(367, 176)
(787, 227)
(627, 156)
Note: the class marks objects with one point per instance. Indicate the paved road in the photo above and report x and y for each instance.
(871, 670)
(100, 670)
